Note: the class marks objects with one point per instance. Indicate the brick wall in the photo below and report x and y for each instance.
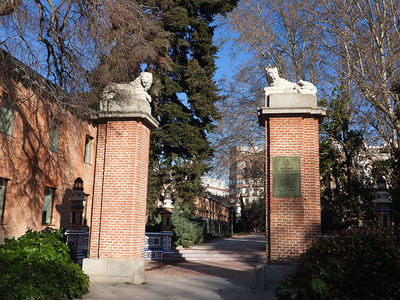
(30, 166)
(211, 209)
(294, 222)
(120, 191)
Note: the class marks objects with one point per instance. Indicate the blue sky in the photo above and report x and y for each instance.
(226, 64)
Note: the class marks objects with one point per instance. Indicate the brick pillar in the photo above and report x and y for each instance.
(118, 217)
(292, 159)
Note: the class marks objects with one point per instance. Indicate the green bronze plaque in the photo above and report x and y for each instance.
(286, 176)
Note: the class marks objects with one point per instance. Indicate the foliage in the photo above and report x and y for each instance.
(215, 229)
(255, 213)
(252, 216)
(154, 221)
(38, 266)
(346, 191)
(389, 168)
(188, 231)
(356, 264)
(66, 40)
(184, 98)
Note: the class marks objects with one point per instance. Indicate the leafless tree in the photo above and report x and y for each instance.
(238, 125)
(265, 33)
(351, 43)
(280, 34)
(52, 54)
(363, 39)
(74, 43)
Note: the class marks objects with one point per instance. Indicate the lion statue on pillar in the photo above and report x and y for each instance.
(131, 95)
(278, 85)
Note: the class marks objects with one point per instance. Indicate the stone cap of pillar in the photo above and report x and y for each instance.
(126, 108)
(290, 105)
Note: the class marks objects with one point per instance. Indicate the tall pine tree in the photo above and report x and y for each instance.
(184, 98)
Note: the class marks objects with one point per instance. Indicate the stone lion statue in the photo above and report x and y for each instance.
(132, 90)
(281, 85)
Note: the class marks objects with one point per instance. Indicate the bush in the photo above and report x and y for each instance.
(38, 266)
(187, 230)
(356, 264)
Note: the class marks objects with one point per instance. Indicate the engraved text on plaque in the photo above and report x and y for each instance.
(286, 176)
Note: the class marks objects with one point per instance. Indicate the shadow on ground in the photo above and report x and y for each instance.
(226, 279)
(206, 280)
(196, 280)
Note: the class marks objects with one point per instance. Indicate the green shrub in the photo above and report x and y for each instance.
(356, 264)
(187, 230)
(38, 266)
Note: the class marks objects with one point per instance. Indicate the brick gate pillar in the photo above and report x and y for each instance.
(292, 173)
(118, 217)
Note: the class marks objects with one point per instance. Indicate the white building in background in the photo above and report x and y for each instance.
(245, 180)
(216, 187)
(369, 155)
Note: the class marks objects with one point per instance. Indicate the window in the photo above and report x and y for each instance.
(54, 135)
(7, 115)
(48, 205)
(88, 149)
(3, 190)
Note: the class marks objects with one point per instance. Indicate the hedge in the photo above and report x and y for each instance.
(38, 266)
(360, 263)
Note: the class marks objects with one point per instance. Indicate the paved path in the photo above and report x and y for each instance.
(251, 242)
(194, 280)
(244, 248)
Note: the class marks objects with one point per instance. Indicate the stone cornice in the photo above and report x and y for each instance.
(146, 118)
(290, 105)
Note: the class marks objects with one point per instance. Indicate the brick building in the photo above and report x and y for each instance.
(43, 150)
(246, 174)
(212, 207)
(45, 147)
(215, 213)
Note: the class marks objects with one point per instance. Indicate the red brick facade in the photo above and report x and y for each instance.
(120, 190)
(212, 209)
(35, 167)
(293, 222)
(29, 166)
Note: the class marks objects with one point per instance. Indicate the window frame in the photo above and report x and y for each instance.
(6, 103)
(3, 197)
(54, 135)
(88, 151)
(47, 220)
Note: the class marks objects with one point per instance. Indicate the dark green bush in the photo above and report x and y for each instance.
(38, 266)
(187, 230)
(355, 264)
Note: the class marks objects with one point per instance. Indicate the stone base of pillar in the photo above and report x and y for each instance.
(114, 270)
(268, 277)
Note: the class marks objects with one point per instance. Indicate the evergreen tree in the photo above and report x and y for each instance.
(390, 168)
(255, 213)
(184, 97)
(346, 194)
